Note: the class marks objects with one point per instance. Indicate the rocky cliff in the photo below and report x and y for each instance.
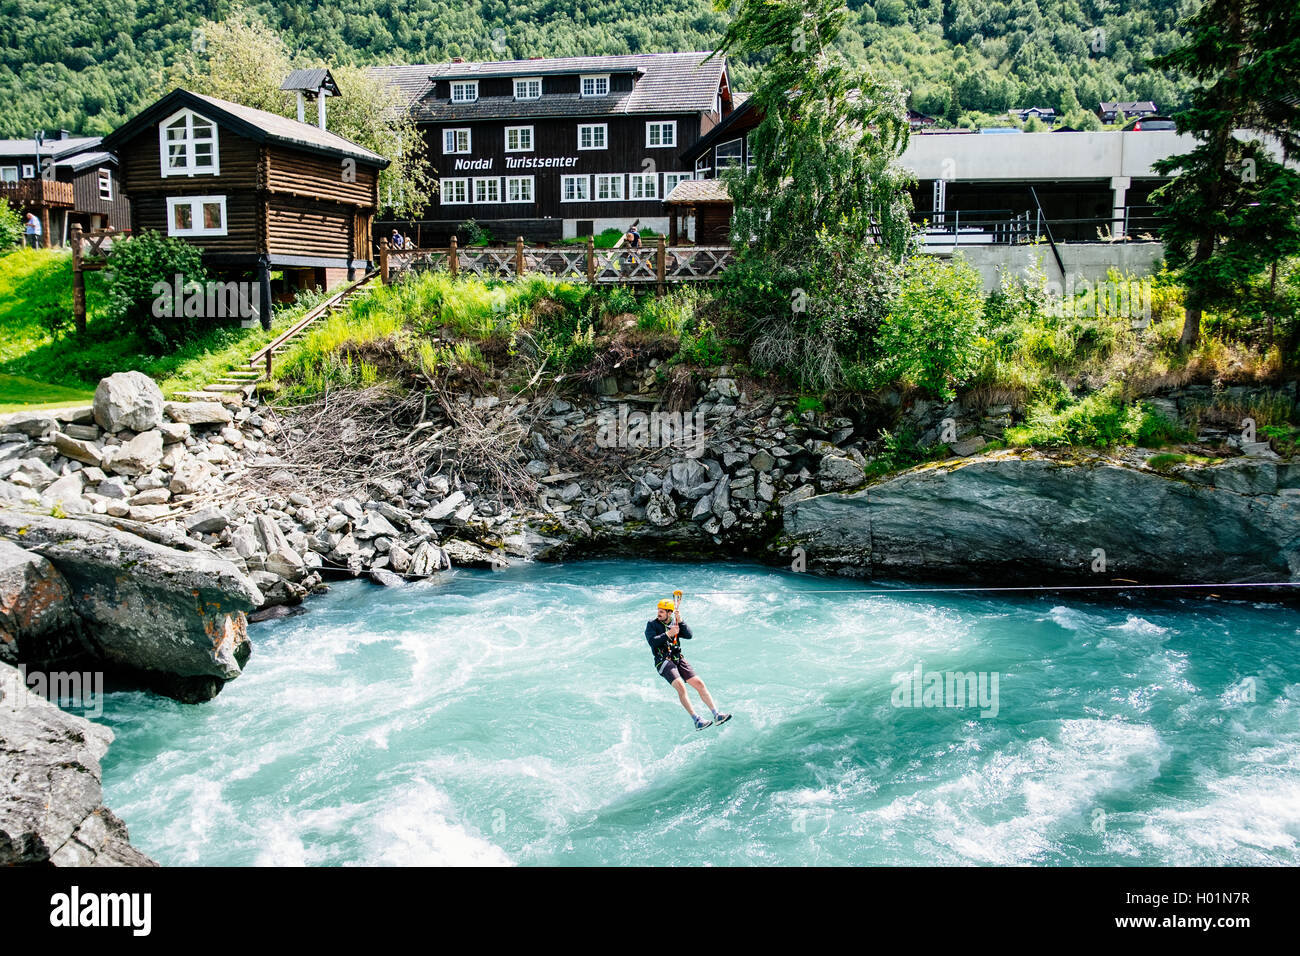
(1033, 517)
(51, 803)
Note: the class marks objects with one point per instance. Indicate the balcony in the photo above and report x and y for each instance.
(38, 192)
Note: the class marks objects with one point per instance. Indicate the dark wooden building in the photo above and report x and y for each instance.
(257, 191)
(65, 180)
(559, 148)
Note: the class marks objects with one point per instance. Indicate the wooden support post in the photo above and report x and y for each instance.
(519, 255)
(453, 257)
(591, 260)
(672, 227)
(661, 265)
(45, 226)
(264, 307)
(78, 283)
(383, 261)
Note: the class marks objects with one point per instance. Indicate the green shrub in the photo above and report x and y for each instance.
(1098, 420)
(933, 336)
(143, 284)
(807, 316)
(11, 227)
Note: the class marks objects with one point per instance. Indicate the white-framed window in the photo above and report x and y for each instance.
(187, 144)
(702, 168)
(672, 179)
(196, 215)
(528, 87)
(519, 139)
(455, 141)
(575, 188)
(609, 186)
(643, 186)
(487, 189)
(595, 84)
(593, 136)
(455, 192)
(519, 189)
(464, 91)
(106, 185)
(661, 133)
(8, 174)
(728, 154)
(29, 171)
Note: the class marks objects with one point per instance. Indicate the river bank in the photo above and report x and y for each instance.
(136, 520)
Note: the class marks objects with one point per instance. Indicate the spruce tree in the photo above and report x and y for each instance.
(1233, 208)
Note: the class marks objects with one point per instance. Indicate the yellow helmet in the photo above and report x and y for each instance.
(666, 605)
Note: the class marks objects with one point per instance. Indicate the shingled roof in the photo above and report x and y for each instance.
(257, 125)
(667, 83)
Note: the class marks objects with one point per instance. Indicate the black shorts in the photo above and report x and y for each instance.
(670, 670)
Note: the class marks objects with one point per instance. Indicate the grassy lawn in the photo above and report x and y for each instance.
(44, 361)
(17, 393)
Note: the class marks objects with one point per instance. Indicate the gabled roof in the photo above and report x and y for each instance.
(310, 81)
(255, 124)
(666, 83)
(80, 161)
(742, 117)
(50, 149)
(1128, 106)
(698, 191)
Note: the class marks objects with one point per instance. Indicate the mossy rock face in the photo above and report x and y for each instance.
(1036, 518)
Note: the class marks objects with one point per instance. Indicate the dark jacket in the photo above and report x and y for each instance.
(663, 646)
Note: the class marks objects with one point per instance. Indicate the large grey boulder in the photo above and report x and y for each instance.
(198, 413)
(428, 559)
(35, 606)
(175, 617)
(660, 510)
(51, 800)
(1030, 517)
(128, 400)
(78, 449)
(139, 456)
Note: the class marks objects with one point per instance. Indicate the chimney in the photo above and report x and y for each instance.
(64, 134)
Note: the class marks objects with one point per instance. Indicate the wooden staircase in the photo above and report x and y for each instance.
(237, 384)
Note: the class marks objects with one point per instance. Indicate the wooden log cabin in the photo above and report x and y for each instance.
(64, 180)
(558, 148)
(257, 191)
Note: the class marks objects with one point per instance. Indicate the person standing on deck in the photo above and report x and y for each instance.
(664, 636)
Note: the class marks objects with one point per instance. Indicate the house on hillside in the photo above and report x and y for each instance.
(257, 191)
(559, 148)
(65, 180)
(1131, 109)
(1044, 114)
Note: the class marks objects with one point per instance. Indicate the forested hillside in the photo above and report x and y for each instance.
(87, 66)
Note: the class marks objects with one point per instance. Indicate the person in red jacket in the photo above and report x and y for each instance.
(664, 637)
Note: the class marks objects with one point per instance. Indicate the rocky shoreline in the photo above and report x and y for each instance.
(140, 536)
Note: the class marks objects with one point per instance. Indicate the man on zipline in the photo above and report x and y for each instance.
(664, 635)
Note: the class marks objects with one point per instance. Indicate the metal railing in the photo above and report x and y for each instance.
(957, 227)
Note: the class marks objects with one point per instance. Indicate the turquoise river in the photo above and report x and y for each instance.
(516, 718)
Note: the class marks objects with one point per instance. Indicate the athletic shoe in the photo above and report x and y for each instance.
(701, 724)
(723, 718)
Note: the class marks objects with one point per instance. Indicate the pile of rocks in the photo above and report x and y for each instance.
(723, 469)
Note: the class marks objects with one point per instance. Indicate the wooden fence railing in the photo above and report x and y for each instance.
(657, 265)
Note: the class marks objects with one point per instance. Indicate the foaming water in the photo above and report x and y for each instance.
(516, 718)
